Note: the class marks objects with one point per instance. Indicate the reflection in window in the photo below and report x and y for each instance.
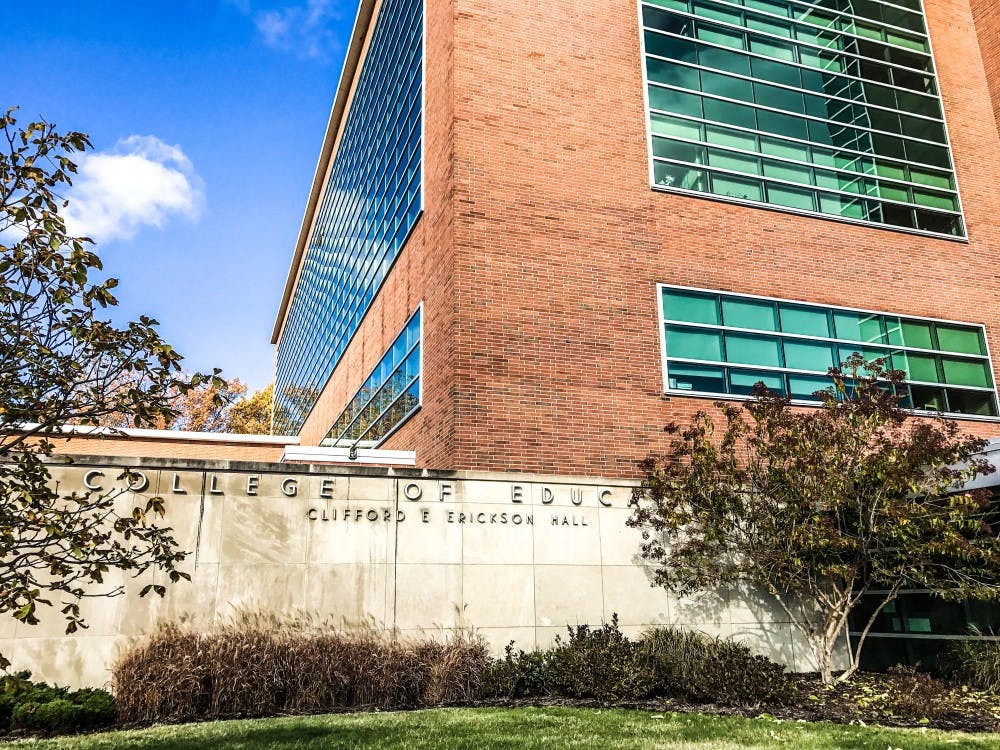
(390, 394)
(841, 91)
(718, 343)
(371, 201)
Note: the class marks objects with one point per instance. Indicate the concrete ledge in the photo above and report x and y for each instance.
(313, 454)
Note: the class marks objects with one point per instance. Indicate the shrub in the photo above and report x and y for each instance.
(520, 674)
(601, 663)
(915, 695)
(974, 662)
(34, 705)
(693, 666)
(260, 666)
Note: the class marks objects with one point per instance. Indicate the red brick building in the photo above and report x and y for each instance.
(830, 159)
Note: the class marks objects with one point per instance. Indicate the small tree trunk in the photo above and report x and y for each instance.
(824, 659)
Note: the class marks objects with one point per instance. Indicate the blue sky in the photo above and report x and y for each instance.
(207, 117)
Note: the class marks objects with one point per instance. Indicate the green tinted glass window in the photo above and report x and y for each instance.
(806, 321)
(980, 403)
(743, 382)
(694, 343)
(691, 307)
(753, 350)
(917, 334)
(966, 372)
(923, 367)
(808, 355)
(820, 79)
(738, 312)
(797, 339)
(960, 339)
(683, 377)
(804, 387)
(852, 326)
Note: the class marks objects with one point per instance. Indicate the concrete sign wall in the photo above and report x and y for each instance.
(513, 557)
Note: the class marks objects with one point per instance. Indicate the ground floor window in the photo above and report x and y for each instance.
(918, 626)
(718, 343)
(390, 394)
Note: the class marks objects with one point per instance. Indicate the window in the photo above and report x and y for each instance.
(391, 393)
(840, 87)
(723, 344)
(371, 202)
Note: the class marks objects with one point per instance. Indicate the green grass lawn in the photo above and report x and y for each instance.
(517, 728)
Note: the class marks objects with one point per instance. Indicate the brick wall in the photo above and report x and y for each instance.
(181, 448)
(542, 244)
(987, 16)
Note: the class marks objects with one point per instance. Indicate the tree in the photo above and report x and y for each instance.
(820, 507)
(252, 415)
(62, 362)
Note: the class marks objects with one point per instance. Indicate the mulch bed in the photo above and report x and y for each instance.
(905, 700)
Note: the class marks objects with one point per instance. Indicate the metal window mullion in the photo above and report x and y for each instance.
(868, 154)
(813, 188)
(813, 165)
(815, 373)
(800, 43)
(840, 13)
(800, 65)
(828, 340)
(386, 409)
(804, 116)
(796, 89)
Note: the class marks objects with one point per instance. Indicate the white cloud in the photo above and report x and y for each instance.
(305, 29)
(140, 182)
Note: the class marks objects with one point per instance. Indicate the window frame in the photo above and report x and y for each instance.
(664, 321)
(360, 441)
(816, 212)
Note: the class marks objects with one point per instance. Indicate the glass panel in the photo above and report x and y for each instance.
(733, 161)
(865, 327)
(681, 377)
(805, 386)
(691, 307)
(748, 349)
(749, 313)
(960, 339)
(927, 398)
(737, 187)
(743, 382)
(734, 138)
(922, 367)
(808, 355)
(806, 321)
(675, 126)
(917, 334)
(692, 343)
(972, 402)
(966, 372)
(782, 195)
(676, 175)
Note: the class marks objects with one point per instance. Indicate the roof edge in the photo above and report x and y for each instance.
(362, 22)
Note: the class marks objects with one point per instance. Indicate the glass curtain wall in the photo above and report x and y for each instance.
(822, 106)
(371, 202)
(724, 344)
(391, 393)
